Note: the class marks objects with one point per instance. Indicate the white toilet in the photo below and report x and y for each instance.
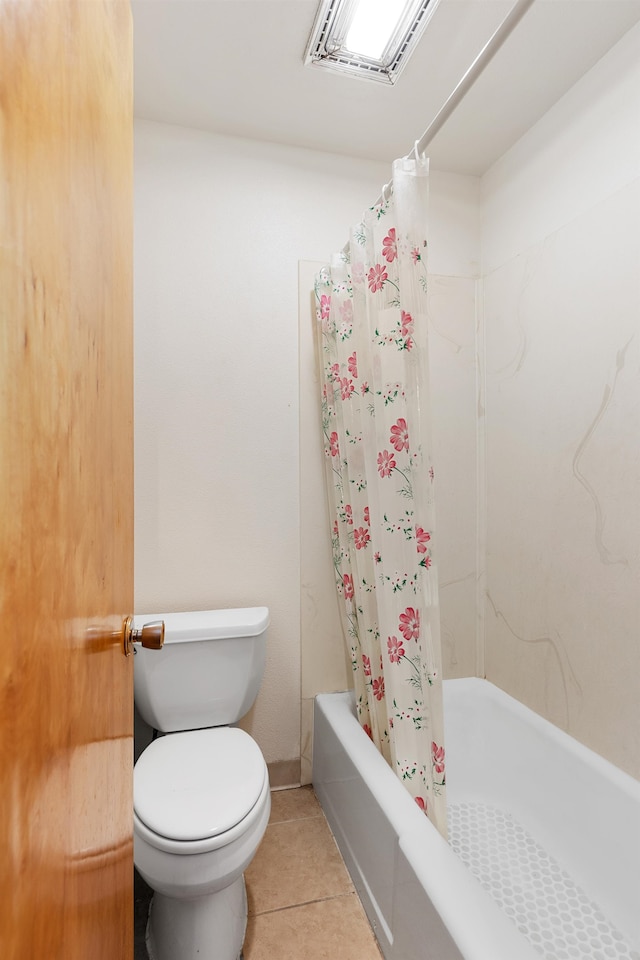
(201, 793)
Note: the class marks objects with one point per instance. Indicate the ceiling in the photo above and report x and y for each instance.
(234, 67)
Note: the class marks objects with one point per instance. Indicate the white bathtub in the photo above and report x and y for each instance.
(544, 852)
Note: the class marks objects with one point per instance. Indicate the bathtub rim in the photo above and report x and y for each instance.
(620, 779)
(491, 934)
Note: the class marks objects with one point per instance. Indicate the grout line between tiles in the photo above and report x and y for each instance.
(304, 903)
(315, 816)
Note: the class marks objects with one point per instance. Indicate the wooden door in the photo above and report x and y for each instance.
(66, 470)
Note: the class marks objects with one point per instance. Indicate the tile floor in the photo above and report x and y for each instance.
(302, 904)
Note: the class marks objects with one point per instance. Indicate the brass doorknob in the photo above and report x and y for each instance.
(150, 635)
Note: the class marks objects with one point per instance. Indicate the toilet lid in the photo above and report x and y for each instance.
(198, 784)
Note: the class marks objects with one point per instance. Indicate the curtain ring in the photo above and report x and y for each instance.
(416, 152)
(384, 193)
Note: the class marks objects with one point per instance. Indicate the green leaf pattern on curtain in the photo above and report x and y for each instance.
(371, 306)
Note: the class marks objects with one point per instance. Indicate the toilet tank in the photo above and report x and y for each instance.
(208, 672)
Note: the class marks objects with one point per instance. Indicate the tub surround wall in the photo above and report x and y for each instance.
(561, 265)
(324, 665)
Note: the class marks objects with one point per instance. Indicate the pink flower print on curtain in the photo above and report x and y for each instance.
(361, 538)
(399, 438)
(325, 306)
(347, 586)
(389, 246)
(372, 340)
(409, 625)
(395, 649)
(376, 277)
(386, 463)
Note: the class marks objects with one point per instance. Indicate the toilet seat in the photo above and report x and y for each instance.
(197, 787)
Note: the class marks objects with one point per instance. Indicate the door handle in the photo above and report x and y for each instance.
(150, 635)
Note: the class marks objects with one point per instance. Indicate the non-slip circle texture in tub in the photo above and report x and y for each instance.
(545, 904)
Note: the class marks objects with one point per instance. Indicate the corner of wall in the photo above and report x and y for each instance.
(481, 482)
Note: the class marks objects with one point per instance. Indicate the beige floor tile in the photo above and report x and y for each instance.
(296, 862)
(335, 929)
(296, 804)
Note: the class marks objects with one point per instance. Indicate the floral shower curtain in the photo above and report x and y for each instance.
(372, 326)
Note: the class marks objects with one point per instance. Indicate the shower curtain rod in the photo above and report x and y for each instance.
(485, 56)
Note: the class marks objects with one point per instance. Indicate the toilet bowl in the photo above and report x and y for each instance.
(201, 796)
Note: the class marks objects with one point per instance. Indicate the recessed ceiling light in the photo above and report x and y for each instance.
(367, 38)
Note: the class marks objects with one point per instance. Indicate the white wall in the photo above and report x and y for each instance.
(561, 266)
(220, 225)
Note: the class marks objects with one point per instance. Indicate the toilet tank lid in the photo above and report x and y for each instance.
(209, 624)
